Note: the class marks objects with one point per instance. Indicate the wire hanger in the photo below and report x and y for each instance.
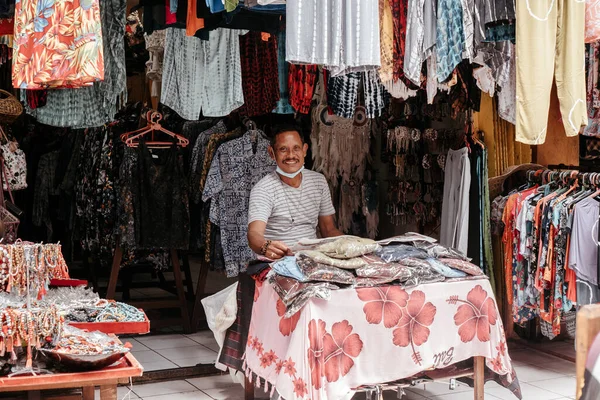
(153, 119)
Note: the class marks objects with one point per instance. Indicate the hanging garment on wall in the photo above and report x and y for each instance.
(155, 44)
(342, 35)
(342, 94)
(420, 37)
(549, 38)
(386, 37)
(283, 105)
(96, 105)
(58, 44)
(450, 37)
(301, 84)
(454, 231)
(202, 77)
(237, 166)
(260, 80)
(592, 69)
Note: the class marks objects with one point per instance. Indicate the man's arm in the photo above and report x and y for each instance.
(327, 227)
(256, 241)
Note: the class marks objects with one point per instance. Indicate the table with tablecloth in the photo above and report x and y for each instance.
(373, 335)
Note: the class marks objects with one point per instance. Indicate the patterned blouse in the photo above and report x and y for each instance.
(237, 166)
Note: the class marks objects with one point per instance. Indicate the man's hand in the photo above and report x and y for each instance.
(277, 250)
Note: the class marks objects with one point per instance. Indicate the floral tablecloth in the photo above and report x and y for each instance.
(373, 335)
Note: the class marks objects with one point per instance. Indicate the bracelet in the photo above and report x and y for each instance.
(263, 249)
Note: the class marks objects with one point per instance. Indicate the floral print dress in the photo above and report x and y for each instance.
(58, 44)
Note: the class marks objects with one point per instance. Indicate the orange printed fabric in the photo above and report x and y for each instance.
(58, 44)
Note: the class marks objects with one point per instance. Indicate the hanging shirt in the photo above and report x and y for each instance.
(202, 76)
(450, 37)
(57, 44)
(283, 105)
(343, 35)
(237, 166)
(583, 252)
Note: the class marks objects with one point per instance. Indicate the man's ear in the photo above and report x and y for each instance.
(305, 148)
(271, 152)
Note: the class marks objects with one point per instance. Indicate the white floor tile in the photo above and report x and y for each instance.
(162, 388)
(213, 382)
(528, 391)
(532, 373)
(191, 362)
(203, 337)
(200, 352)
(564, 386)
(462, 396)
(162, 342)
(137, 345)
(437, 389)
(197, 395)
(533, 357)
(230, 393)
(564, 367)
(159, 365)
(146, 356)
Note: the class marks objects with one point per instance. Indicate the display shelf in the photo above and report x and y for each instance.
(118, 328)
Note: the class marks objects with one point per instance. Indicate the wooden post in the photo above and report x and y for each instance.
(249, 389)
(108, 392)
(88, 393)
(478, 377)
(114, 273)
(180, 292)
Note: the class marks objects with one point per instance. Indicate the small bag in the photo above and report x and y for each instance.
(10, 107)
(15, 164)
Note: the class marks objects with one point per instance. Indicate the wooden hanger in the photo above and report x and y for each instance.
(153, 119)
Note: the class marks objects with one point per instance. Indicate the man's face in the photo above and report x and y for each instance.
(289, 151)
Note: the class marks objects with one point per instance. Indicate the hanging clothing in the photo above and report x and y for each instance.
(59, 44)
(160, 198)
(454, 231)
(260, 80)
(386, 35)
(342, 35)
(450, 37)
(342, 94)
(399, 13)
(592, 21)
(283, 104)
(301, 84)
(96, 105)
(420, 37)
(237, 166)
(549, 46)
(202, 77)
(155, 44)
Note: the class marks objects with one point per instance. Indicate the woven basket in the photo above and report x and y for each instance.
(10, 107)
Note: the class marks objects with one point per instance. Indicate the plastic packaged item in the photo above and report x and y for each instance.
(398, 252)
(438, 251)
(386, 271)
(295, 295)
(321, 258)
(348, 247)
(288, 266)
(370, 282)
(316, 271)
(444, 269)
(422, 272)
(462, 265)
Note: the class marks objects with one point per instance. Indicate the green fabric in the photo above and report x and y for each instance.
(231, 5)
(488, 253)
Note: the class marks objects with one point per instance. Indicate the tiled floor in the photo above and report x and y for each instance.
(542, 376)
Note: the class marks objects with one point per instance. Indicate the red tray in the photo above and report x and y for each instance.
(118, 328)
(68, 282)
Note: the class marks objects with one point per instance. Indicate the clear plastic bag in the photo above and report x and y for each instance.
(443, 269)
(436, 250)
(421, 272)
(385, 271)
(316, 271)
(462, 265)
(295, 295)
(321, 258)
(398, 252)
(348, 247)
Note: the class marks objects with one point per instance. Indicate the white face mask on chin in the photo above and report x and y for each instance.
(288, 175)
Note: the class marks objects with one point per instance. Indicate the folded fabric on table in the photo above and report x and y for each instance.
(348, 247)
(321, 258)
(288, 266)
(316, 271)
(462, 265)
(385, 271)
(436, 250)
(294, 295)
(422, 272)
(398, 252)
(444, 269)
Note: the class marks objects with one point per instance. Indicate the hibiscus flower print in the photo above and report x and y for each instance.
(339, 349)
(383, 304)
(289, 367)
(501, 348)
(279, 366)
(286, 325)
(497, 364)
(300, 389)
(476, 315)
(316, 332)
(413, 328)
(268, 359)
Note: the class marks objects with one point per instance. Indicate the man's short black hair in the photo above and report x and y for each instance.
(279, 129)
